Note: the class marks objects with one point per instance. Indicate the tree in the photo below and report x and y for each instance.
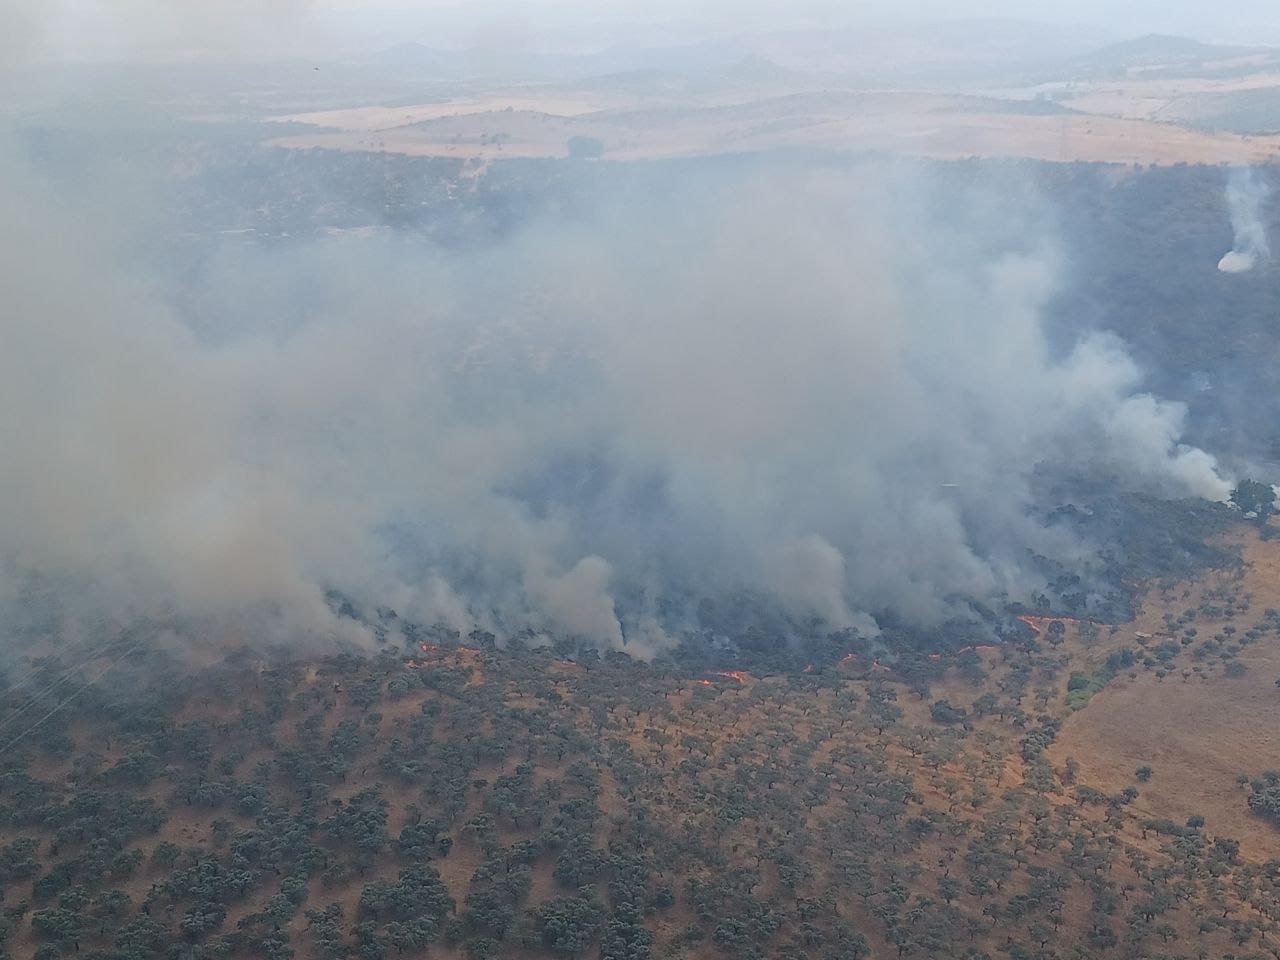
(1254, 497)
(568, 925)
(1057, 632)
(165, 854)
(945, 712)
(60, 924)
(418, 896)
(418, 841)
(202, 918)
(985, 705)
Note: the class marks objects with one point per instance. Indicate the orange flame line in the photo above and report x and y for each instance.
(1040, 624)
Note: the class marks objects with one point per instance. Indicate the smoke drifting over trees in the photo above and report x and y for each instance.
(830, 390)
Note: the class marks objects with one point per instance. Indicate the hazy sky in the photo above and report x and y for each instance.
(1239, 19)
(147, 28)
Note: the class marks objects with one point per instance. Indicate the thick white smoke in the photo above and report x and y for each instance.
(1246, 193)
(809, 386)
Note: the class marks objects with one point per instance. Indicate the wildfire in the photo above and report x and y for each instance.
(851, 659)
(704, 683)
(1041, 624)
(736, 675)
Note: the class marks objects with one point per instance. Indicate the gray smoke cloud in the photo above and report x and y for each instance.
(21, 35)
(156, 30)
(807, 384)
(1246, 193)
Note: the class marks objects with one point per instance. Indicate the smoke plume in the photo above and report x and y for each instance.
(812, 386)
(1246, 193)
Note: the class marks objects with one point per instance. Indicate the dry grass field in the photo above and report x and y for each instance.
(1109, 124)
(775, 811)
(1196, 732)
(1149, 99)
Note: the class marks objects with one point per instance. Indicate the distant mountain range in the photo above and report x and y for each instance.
(1159, 54)
(964, 53)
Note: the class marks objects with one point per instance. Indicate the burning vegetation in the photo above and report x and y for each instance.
(527, 808)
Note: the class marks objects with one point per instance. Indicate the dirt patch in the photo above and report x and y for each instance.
(385, 118)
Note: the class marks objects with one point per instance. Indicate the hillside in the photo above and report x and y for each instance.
(1158, 53)
(464, 802)
(987, 89)
(1100, 127)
